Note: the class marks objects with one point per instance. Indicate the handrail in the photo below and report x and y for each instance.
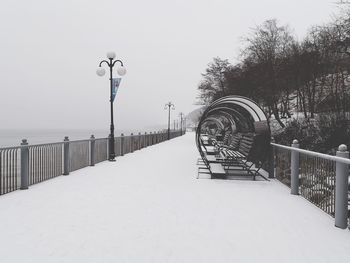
(315, 154)
(11, 148)
(43, 144)
(81, 140)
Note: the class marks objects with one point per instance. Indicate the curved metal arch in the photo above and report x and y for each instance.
(221, 116)
(227, 116)
(233, 113)
(224, 120)
(247, 101)
(214, 120)
(243, 112)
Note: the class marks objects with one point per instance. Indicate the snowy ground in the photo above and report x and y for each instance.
(148, 207)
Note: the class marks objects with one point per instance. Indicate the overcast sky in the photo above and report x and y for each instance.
(50, 50)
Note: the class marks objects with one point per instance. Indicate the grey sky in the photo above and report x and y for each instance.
(50, 50)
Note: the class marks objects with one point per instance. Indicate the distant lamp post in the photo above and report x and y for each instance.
(169, 106)
(101, 72)
(181, 115)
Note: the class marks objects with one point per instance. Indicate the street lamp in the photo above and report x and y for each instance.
(168, 106)
(121, 72)
(181, 116)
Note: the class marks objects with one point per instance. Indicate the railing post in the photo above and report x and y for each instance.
(271, 160)
(294, 184)
(109, 146)
(139, 140)
(146, 141)
(92, 150)
(122, 144)
(151, 138)
(132, 142)
(24, 165)
(66, 156)
(341, 189)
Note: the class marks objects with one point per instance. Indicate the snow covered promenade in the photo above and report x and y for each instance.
(148, 207)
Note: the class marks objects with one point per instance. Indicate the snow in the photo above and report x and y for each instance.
(148, 206)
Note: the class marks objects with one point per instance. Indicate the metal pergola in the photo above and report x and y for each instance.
(233, 114)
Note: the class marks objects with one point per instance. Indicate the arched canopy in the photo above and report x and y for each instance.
(233, 114)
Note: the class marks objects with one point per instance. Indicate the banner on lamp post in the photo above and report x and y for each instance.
(115, 86)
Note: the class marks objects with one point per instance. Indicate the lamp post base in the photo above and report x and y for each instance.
(111, 152)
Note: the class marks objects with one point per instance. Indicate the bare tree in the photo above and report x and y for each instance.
(214, 83)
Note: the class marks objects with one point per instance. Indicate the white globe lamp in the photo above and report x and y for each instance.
(100, 72)
(121, 71)
(111, 55)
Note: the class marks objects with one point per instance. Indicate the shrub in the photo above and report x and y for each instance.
(323, 134)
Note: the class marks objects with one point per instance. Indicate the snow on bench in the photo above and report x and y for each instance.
(216, 169)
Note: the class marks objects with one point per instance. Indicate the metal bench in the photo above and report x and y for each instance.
(245, 157)
(239, 148)
(215, 169)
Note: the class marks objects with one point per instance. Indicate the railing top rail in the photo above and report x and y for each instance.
(43, 144)
(315, 154)
(10, 148)
(83, 140)
(51, 143)
(98, 139)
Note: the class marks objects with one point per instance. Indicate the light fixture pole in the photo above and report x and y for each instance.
(169, 106)
(181, 116)
(100, 72)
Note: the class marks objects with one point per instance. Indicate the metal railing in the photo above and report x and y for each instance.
(9, 169)
(45, 162)
(101, 150)
(320, 178)
(79, 154)
(282, 163)
(26, 165)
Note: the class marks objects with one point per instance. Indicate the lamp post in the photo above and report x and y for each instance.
(100, 72)
(169, 106)
(181, 116)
